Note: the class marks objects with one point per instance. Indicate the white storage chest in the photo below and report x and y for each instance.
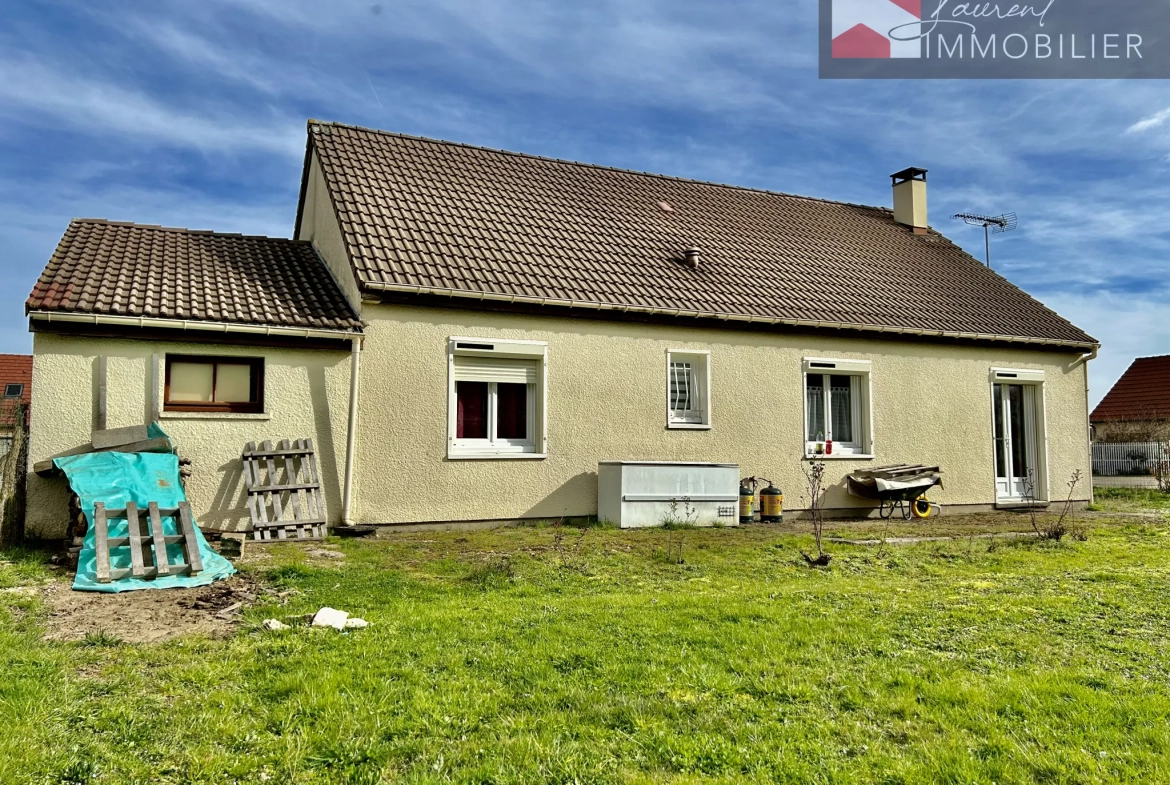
(635, 494)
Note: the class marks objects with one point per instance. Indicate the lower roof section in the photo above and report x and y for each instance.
(141, 328)
(123, 270)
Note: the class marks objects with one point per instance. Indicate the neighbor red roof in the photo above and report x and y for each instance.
(1142, 393)
(17, 369)
(431, 217)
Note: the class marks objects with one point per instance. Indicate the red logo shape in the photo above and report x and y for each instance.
(861, 41)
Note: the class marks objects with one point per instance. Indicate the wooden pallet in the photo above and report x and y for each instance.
(284, 491)
(148, 547)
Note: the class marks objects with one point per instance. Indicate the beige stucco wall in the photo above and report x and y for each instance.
(319, 224)
(306, 395)
(606, 401)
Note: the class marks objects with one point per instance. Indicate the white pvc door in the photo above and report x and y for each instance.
(1015, 440)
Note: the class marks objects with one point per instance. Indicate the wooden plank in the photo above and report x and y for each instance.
(101, 420)
(277, 510)
(101, 542)
(290, 478)
(287, 524)
(158, 444)
(134, 530)
(151, 572)
(270, 488)
(124, 542)
(160, 544)
(116, 437)
(190, 543)
(274, 453)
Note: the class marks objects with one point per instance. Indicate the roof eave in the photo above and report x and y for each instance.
(1078, 346)
(194, 325)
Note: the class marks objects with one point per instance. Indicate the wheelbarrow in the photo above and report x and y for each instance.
(897, 488)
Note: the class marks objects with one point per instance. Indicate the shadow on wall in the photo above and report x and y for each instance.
(229, 510)
(576, 496)
(325, 443)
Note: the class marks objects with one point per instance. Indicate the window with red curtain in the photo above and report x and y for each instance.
(471, 416)
(511, 411)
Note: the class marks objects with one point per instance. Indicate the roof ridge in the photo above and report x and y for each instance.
(587, 165)
(184, 230)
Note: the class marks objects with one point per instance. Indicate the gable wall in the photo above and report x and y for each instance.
(319, 225)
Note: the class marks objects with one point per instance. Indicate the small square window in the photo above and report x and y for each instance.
(687, 396)
(13, 390)
(214, 384)
(836, 407)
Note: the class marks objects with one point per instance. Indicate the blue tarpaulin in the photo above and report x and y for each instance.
(116, 478)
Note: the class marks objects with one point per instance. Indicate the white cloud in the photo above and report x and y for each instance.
(36, 94)
(1153, 121)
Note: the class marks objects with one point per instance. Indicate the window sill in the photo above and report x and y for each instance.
(485, 455)
(1020, 504)
(214, 416)
(688, 426)
(843, 457)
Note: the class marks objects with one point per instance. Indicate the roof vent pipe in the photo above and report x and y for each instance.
(692, 257)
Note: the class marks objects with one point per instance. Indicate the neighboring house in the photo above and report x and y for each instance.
(522, 319)
(15, 390)
(1137, 407)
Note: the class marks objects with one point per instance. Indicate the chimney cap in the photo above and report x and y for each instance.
(691, 256)
(910, 173)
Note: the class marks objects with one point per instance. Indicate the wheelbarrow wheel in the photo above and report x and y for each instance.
(921, 507)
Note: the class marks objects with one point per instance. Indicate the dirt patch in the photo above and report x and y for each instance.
(148, 616)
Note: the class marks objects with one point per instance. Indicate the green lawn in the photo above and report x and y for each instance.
(1131, 499)
(529, 655)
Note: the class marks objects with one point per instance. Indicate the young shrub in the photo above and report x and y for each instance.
(814, 474)
(1055, 529)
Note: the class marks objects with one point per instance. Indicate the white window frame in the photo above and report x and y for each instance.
(1039, 428)
(534, 447)
(862, 405)
(692, 419)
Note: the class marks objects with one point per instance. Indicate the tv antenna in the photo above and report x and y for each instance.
(997, 224)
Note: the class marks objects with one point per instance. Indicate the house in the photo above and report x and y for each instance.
(16, 391)
(466, 333)
(1137, 407)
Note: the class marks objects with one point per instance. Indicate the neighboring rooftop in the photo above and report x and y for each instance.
(121, 269)
(16, 369)
(1142, 393)
(419, 215)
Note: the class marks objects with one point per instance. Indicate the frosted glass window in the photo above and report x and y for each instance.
(192, 382)
(233, 383)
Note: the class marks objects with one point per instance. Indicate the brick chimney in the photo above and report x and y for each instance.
(910, 199)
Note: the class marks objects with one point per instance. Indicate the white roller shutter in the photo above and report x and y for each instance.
(492, 369)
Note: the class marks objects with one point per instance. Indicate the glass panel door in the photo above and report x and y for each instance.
(1015, 439)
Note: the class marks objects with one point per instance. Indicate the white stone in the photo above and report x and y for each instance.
(356, 624)
(330, 617)
(274, 624)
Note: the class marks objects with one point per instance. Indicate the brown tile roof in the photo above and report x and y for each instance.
(121, 269)
(419, 214)
(17, 369)
(1142, 393)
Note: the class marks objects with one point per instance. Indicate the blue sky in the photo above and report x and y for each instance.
(193, 114)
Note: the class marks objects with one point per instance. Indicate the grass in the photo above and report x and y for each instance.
(1131, 500)
(532, 655)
